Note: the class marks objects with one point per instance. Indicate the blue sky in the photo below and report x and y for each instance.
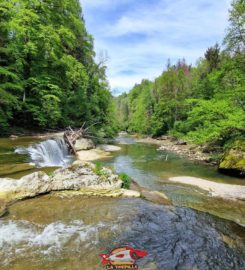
(140, 35)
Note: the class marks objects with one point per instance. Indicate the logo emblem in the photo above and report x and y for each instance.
(122, 258)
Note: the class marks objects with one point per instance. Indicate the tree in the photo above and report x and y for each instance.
(49, 77)
(212, 56)
(235, 38)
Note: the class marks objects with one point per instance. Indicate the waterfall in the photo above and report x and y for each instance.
(50, 153)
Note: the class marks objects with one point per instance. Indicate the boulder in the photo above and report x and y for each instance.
(13, 136)
(180, 142)
(27, 186)
(233, 163)
(84, 144)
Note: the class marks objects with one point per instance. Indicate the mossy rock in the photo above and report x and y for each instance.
(233, 161)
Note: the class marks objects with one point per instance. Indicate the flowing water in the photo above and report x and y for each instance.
(53, 232)
(151, 169)
(25, 155)
(50, 153)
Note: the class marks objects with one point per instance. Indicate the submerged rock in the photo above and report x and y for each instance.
(107, 193)
(3, 208)
(109, 148)
(233, 161)
(84, 144)
(149, 195)
(7, 169)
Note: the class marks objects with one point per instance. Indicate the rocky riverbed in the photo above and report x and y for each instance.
(231, 161)
(191, 151)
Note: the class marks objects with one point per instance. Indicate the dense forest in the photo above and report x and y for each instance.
(48, 75)
(203, 104)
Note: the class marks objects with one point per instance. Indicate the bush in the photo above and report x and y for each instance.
(126, 180)
(98, 168)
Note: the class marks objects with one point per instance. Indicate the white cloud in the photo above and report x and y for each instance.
(181, 16)
(143, 36)
(103, 4)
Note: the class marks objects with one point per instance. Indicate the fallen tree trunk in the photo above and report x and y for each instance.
(69, 143)
(71, 136)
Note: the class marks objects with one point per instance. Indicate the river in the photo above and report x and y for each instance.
(52, 232)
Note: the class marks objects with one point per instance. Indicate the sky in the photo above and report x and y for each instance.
(139, 36)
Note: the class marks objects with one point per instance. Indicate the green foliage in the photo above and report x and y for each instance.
(235, 38)
(154, 107)
(98, 168)
(213, 57)
(126, 180)
(204, 104)
(48, 76)
(212, 120)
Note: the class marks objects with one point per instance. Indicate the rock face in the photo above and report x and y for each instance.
(77, 177)
(84, 144)
(233, 161)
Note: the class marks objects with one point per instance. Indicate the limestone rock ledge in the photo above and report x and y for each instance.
(80, 178)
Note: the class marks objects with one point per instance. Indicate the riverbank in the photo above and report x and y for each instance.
(224, 191)
(229, 161)
(16, 132)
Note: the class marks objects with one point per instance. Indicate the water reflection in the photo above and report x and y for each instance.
(150, 168)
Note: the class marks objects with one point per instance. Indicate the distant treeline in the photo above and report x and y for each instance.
(203, 104)
(48, 76)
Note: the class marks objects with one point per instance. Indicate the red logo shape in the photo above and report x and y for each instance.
(123, 256)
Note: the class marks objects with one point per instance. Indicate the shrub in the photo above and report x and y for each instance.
(98, 168)
(126, 180)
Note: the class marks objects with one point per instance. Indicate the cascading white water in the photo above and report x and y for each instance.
(53, 152)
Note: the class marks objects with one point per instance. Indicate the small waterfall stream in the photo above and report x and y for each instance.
(49, 153)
